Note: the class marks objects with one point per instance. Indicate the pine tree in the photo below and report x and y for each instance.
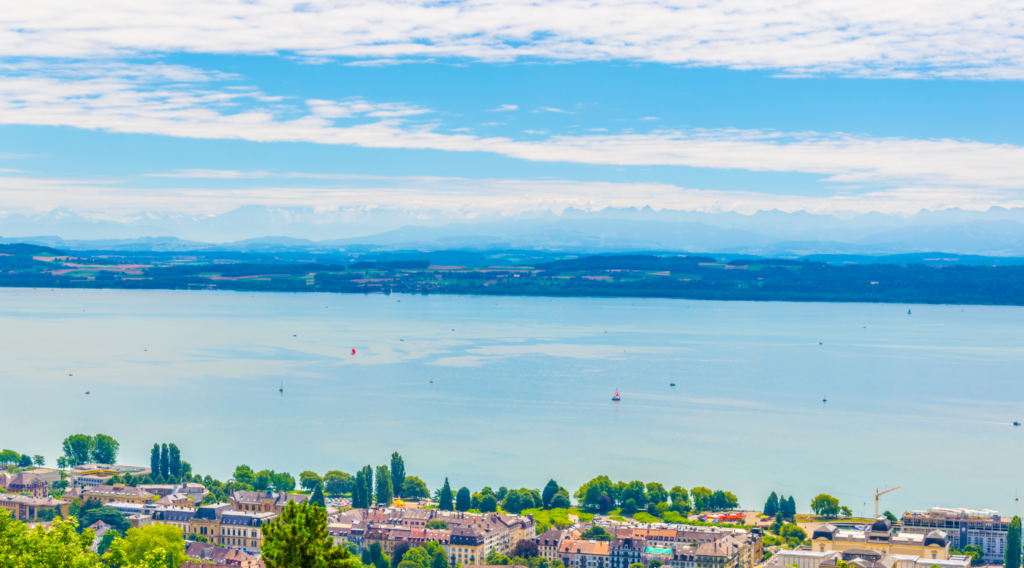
(445, 503)
(1011, 558)
(772, 505)
(368, 485)
(175, 461)
(318, 496)
(165, 462)
(550, 490)
(385, 493)
(397, 473)
(299, 538)
(791, 508)
(154, 460)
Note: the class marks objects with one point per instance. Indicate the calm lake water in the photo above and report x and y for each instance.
(522, 389)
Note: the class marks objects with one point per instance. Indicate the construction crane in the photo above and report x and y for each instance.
(880, 493)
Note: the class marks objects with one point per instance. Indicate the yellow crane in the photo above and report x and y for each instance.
(880, 493)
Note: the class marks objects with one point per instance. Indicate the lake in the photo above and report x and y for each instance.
(514, 391)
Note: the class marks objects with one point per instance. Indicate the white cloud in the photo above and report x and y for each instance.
(980, 39)
(131, 101)
(536, 131)
(597, 129)
(552, 109)
(504, 108)
(649, 118)
(493, 124)
(466, 197)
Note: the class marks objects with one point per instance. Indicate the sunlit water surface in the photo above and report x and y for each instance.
(513, 391)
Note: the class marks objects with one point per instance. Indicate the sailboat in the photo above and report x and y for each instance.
(824, 398)
(616, 398)
(281, 390)
(908, 312)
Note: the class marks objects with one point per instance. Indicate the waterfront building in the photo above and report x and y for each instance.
(966, 527)
(881, 537)
(864, 558)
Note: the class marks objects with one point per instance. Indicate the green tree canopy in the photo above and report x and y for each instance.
(38, 461)
(701, 498)
(263, 480)
(318, 496)
(462, 500)
(656, 493)
(550, 490)
(825, 505)
(415, 488)
(437, 524)
(398, 474)
(108, 515)
(1011, 556)
(679, 496)
(309, 479)
(337, 482)
(245, 474)
(77, 449)
(596, 532)
(890, 516)
(445, 501)
(561, 500)
(174, 459)
(488, 504)
(298, 538)
(771, 506)
(283, 481)
(141, 541)
(385, 493)
(59, 547)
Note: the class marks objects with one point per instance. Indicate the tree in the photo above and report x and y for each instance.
(790, 508)
(1011, 557)
(825, 505)
(244, 474)
(771, 506)
(38, 461)
(561, 500)
(550, 490)
(108, 515)
(385, 493)
(845, 511)
(318, 496)
(141, 541)
(337, 482)
(398, 474)
(596, 532)
(106, 541)
(398, 552)
(62, 462)
(175, 460)
(890, 516)
(445, 502)
(636, 491)
(526, 548)
(263, 480)
(656, 493)
(165, 461)
(368, 485)
(25, 461)
(415, 488)
(283, 481)
(77, 449)
(488, 504)
(358, 498)
(462, 500)
(374, 556)
(298, 538)
(701, 498)
(679, 496)
(629, 507)
(59, 547)
(154, 460)
(309, 479)
(437, 524)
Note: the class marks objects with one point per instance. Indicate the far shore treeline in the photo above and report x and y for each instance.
(634, 276)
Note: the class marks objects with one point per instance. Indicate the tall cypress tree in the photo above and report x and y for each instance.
(445, 503)
(397, 474)
(154, 460)
(165, 462)
(385, 493)
(1011, 558)
(772, 505)
(550, 490)
(318, 496)
(357, 491)
(368, 485)
(175, 461)
(791, 507)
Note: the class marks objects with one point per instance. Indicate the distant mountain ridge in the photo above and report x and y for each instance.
(995, 232)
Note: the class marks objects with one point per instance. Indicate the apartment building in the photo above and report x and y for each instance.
(28, 507)
(935, 545)
(117, 493)
(585, 553)
(965, 527)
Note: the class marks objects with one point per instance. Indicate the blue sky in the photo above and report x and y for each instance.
(511, 107)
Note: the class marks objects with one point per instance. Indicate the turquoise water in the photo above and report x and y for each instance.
(522, 389)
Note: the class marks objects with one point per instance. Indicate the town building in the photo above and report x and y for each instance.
(864, 558)
(881, 537)
(965, 527)
(585, 553)
(28, 482)
(117, 493)
(467, 545)
(547, 543)
(204, 554)
(28, 507)
(263, 501)
(180, 517)
(627, 550)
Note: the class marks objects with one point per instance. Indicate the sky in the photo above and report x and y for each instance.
(508, 107)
